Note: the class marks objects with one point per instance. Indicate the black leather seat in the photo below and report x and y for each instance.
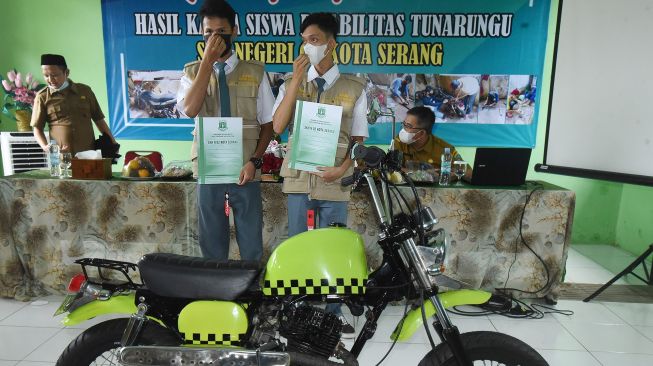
(187, 277)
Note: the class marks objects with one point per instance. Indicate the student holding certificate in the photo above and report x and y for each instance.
(316, 79)
(221, 85)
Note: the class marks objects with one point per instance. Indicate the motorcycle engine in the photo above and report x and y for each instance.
(311, 330)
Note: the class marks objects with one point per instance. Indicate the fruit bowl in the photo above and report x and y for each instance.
(139, 168)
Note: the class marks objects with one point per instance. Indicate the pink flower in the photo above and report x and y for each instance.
(19, 80)
(28, 78)
(34, 84)
(11, 75)
(6, 85)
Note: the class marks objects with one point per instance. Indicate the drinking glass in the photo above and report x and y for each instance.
(65, 161)
(459, 168)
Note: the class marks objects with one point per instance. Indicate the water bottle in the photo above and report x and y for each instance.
(54, 158)
(445, 167)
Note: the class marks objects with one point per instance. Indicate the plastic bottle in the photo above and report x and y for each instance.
(445, 167)
(54, 158)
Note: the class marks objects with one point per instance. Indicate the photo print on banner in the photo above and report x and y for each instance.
(475, 63)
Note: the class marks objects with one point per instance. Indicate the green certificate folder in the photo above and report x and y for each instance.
(220, 149)
(315, 135)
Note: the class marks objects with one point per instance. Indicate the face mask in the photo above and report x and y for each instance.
(227, 41)
(406, 137)
(62, 87)
(315, 53)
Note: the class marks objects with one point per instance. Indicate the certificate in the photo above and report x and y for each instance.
(315, 135)
(221, 149)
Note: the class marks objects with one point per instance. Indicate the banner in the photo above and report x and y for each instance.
(476, 64)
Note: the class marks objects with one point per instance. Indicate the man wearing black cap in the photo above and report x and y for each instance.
(68, 108)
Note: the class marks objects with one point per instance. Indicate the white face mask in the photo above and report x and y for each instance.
(62, 87)
(406, 137)
(315, 53)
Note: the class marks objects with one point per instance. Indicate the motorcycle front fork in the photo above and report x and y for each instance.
(449, 333)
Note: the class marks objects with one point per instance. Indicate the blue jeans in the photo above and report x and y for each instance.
(469, 103)
(326, 213)
(247, 208)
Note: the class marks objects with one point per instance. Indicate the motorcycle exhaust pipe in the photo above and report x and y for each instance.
(167, 356)
(303, 359)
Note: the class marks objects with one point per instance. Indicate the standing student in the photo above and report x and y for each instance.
(221, 85)
(316, 78)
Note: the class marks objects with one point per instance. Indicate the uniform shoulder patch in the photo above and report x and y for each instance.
(353, 78)
(191, 63)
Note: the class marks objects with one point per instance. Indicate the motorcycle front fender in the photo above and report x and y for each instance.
(120, 304)
(413, 320)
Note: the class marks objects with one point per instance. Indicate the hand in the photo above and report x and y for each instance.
(214, 47)
(300, 66)
(329, 174)
(247, 173)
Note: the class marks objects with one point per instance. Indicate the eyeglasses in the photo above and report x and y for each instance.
(406, 125)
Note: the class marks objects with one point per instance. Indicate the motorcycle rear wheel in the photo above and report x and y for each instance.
(487, 348)
(98, 345)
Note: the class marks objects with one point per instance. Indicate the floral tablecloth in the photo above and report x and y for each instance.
(46, 224)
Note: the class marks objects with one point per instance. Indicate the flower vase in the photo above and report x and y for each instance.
(23, 118)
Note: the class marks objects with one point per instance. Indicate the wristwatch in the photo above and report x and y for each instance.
(258, 162)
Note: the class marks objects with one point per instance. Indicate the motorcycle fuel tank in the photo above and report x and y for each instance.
(328, 261)
(213, 323)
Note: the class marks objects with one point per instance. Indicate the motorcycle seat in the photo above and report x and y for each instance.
(181, 276)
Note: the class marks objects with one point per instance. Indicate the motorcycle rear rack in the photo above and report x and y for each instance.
(107, 264)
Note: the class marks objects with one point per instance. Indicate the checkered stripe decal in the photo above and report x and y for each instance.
(213, 339)
(352, 286)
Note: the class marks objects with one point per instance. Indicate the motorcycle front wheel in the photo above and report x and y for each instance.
(487, 348)
(99, 344)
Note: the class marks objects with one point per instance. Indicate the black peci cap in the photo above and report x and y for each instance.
(57, 60)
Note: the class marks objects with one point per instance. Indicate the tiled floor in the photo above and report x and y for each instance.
(597, 334)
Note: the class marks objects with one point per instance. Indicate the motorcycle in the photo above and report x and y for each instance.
(195, 311)
(155, 105)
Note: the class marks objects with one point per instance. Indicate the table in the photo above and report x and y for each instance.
(46, 224)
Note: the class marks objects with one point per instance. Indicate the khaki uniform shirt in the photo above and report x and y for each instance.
(430, 153)
(68, 114)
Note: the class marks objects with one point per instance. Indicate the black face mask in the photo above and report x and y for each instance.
(227, 41)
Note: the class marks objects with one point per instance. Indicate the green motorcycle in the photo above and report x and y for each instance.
(194, 311)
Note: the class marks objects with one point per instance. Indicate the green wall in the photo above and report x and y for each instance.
(605, 212)
(635, 223)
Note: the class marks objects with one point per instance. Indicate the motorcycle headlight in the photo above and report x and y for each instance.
(434, 253)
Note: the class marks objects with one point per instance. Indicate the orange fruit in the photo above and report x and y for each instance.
(133, 164)
(143, 173)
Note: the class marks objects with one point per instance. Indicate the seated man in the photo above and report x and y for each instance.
(514, 103)
(466, 89)
(399, 89)
(492, 99)
(417, 143)
(429, 100)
